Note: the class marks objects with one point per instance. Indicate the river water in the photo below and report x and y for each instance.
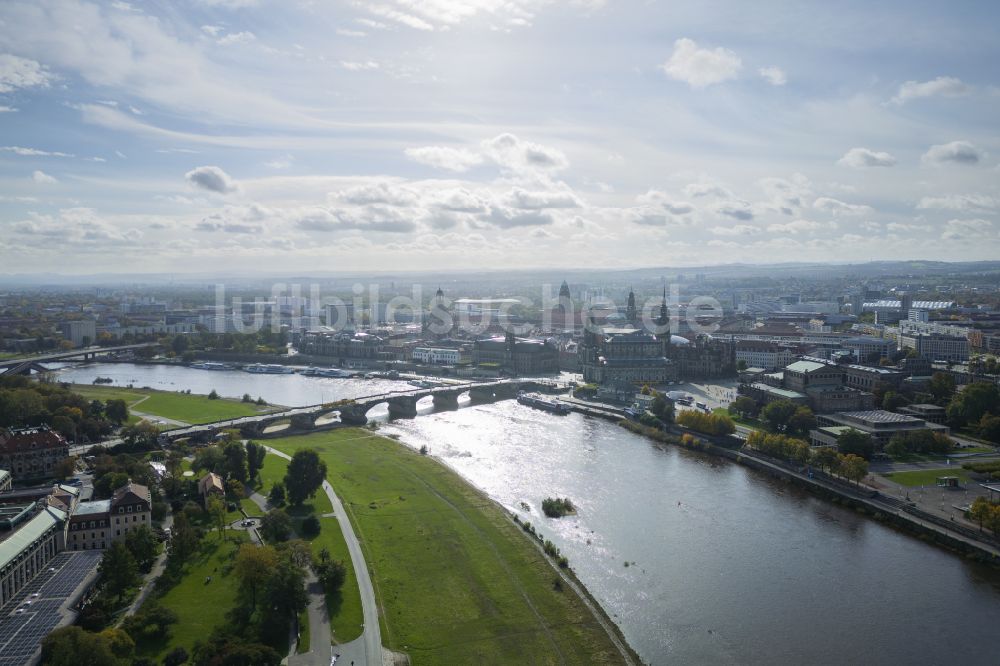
(726, 566)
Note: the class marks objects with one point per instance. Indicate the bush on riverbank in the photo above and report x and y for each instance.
(557, 507)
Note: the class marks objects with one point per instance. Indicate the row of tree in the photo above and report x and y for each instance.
(848, 465)
(709, 424)
(986, 513)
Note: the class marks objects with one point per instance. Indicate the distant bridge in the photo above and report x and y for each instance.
(402, 404)
(24, 365)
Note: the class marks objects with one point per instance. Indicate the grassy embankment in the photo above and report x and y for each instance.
(184, 407)
(457, 582)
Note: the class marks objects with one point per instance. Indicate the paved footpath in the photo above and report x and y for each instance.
(366, 650)
(149, 580)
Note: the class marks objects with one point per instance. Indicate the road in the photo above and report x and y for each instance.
(367, 650)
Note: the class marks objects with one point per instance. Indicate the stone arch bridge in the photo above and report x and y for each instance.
(402, 404)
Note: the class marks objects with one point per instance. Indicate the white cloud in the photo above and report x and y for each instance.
(283, 162)
(507, 218)
(443, 157)
(773, 75)
(43, 178)
(346, 32)
(237, 38)
(212, 30)
(966, 229)
(863, 157)
(942, 86)
(838, 207)
(701, 67)
(356, 66)
(662, 199)
(964, 202)
(957, 152)
(211, 178)
(738, 210)
(382, 192)
(17, 72)
(527, 200)
(408, 20)
(736, 230)
(7, 109)
(800, 227)
(695, 190)
(515, 154)
(229, 4)
(33, 152)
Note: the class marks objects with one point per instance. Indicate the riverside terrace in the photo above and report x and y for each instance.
(402, 404)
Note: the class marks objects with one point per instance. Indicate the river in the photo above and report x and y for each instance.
(726, 565)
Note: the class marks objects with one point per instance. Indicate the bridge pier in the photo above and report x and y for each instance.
(479, 394)
(402, 407)
(446, 400)
(353, 415)
(303, 422)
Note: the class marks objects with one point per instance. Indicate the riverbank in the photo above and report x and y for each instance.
(456, 580)
(901, 515)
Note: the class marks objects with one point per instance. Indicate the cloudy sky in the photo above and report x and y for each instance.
(218, 135)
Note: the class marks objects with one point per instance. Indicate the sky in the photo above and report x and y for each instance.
(285, 135)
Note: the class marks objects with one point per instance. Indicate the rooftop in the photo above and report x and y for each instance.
(93, 508)
(805, 366)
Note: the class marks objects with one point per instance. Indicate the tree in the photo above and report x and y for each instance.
(741, 365)
(142, 543)
(255, 459)
(989, 428)
(66, 645)
(176, 657)
(853, 467)
(183, 540)
(977, 399)
(285, 589)
(213, 395)
(118, 570)
(662, 408)
(305, 475)
(801, 422)
(179, 344)
(331, 573)
(745, 406)
(277, 495)
(152, 621)
(275, 525)
(941, 387)
(235, 466)
(310, 526)
(980, 511)
(216, 508)
(855, 442)
(825, 457)
(253, 564)
(777, 414)
(66, 467)
(117, 411)
(892, 401)
(209, 459)
(119, 642)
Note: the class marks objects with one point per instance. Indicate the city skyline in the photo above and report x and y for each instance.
(415, 136)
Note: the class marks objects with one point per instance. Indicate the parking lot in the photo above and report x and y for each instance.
(44, 604)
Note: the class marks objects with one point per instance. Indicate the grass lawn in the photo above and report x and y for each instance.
(457, 581)
(927, 477)
(178, 406)
(200, 607)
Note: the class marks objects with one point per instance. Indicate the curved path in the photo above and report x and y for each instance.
(371, 639)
